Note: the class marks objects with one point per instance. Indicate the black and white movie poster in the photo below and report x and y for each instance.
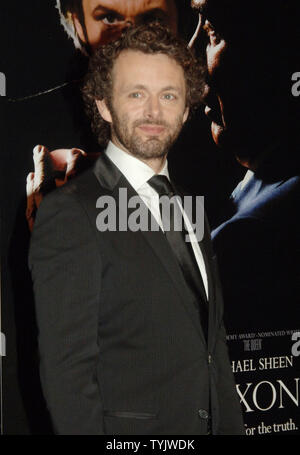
(266, 368)
(239, 149)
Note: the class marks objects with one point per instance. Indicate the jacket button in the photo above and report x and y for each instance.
(203, 414)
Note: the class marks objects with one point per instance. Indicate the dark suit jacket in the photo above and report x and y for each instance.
(57, 120)
(258, 249)
(121, 345)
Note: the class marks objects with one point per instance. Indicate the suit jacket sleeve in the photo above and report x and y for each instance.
(66, 272)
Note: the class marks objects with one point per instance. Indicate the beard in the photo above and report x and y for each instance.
(144, 148)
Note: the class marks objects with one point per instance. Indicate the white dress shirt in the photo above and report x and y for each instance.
(138, 173)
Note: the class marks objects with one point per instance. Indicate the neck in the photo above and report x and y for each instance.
(156, 164)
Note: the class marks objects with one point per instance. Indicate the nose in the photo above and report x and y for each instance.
(152, 109)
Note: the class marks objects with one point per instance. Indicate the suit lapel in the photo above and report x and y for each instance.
(207, 254)
(113, 180)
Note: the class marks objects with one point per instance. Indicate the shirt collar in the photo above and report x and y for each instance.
(136, 171)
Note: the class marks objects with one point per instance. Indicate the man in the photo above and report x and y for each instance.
(55, 118)
(253, 116)
(122, 321)
(89, 23)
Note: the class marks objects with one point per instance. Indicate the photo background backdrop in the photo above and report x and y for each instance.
(36, 56)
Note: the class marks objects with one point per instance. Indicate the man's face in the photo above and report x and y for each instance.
(148, 106)
(105, 19)
(232, 102)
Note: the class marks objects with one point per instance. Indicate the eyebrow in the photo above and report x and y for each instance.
(171, 87)
(143, 87)
(104, 10)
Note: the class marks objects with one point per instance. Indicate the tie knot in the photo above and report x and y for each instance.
(162, 185)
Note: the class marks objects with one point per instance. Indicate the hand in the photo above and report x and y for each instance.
(51, 169)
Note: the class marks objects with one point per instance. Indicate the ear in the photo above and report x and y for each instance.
(78, 28)
(103, 110)
(186, 114)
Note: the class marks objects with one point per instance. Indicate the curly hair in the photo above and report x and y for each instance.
(150, 39)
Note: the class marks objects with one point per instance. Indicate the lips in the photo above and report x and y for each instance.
(153, 130)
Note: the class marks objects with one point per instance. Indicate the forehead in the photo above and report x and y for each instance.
(155, 71)
(127, 7)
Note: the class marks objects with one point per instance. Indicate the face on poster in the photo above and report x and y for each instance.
(96, 22)
(105, 20)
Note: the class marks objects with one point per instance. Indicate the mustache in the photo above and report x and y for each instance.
(150, 122)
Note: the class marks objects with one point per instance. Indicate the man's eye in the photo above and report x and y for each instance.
(169, 96)
(109, 19)
(153, 16)
(135, 95)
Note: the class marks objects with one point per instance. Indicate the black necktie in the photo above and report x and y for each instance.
(183, 250)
